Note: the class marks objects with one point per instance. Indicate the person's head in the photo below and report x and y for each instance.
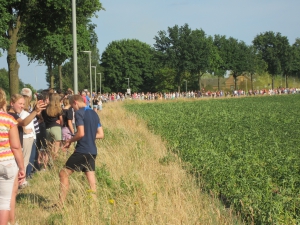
(83, 93)
(54, 108)
(17, 103)
(66, 102)
(2, 100)
(26, 92)
(62, 96)
(51, 91)
(70, 91)
(76, 101)
(45, 96)
(27, 101)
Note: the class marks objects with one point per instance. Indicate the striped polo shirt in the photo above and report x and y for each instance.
(6, 123)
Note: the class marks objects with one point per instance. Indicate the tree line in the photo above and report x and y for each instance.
(42, 30)
(181, 54)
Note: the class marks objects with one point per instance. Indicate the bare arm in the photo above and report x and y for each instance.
(27, 120)
(61, 120)
(70, 125)
(38, 108)
(100, 133)
(15, 146)
(79, 134)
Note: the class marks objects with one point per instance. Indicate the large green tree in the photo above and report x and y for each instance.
(236, 58)
(233, 55)
(275, 51)
(164, 80)
(295, 62)
(83, 72)
(175, 48)
(255, 64)
(128, 58)
(12, 14)
(187, 53)
(218, 65)
(48, 16)
(202, 54)
(4, 20)
(53, 43)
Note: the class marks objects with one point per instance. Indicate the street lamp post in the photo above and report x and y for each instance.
(95, 79)
(89, 52)
(74, 32)
(100, 82)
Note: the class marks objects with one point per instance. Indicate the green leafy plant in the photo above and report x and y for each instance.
(246, 150)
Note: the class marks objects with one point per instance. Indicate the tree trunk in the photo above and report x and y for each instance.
(286, 81)
(251, 78)
(234, 77)
(272, 82)
(199, 80)
(50, 71)
(178, 80)
(218, 83)
(60, 77)
(13, 65)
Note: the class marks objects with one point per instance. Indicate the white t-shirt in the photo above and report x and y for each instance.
(23, 115)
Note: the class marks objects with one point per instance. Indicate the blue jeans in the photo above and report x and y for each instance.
(31, 159)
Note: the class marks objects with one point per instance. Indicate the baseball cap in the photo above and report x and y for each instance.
(26, 92)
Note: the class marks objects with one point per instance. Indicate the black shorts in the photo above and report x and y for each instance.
(81, 162)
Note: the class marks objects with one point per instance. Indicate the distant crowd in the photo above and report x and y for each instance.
(112, 97)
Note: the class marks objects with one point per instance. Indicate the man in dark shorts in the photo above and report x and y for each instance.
(83, 159)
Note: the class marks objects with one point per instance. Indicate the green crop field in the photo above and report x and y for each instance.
(246, 150)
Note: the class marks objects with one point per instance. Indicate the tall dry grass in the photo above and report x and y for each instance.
(139, 182)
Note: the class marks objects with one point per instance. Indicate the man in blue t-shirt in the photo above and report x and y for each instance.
(83, 159)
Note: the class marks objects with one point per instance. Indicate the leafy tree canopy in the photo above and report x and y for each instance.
(128, 58)
(273, 48)
(275, 51)
(295, 64)
(53, 43)
(190, 53)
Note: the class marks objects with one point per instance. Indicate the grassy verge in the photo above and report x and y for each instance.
(139, 182)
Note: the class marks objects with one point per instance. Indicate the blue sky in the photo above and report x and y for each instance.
(141, 19)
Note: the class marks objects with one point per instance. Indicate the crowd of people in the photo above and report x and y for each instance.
(112, 97)
(34, 128)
